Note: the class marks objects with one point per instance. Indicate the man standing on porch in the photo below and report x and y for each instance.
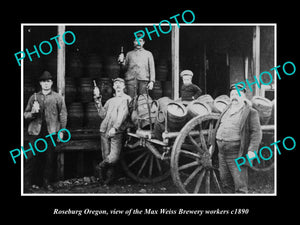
(47, 113)
(140, 69)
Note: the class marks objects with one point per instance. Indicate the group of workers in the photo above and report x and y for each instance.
(238, 133)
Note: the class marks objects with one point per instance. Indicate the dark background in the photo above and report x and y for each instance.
(28, 209)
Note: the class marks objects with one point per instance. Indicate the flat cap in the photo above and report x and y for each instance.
(138, 35)
(241, 87)
(186, 73)
(119, 79)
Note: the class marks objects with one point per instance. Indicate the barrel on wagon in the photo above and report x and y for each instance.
(141, 107)
(176, 115)
(264, 108)
(221, 102)
(196, 108)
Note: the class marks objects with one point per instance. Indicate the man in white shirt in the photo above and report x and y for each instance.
(114, 113)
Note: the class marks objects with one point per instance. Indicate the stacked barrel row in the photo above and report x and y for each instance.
(79, 99)
(92, 65)
(81, 76)
(179, 113)
(81, 72)
(163, 85)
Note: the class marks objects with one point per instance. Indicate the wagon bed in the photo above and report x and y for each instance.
(187, 155)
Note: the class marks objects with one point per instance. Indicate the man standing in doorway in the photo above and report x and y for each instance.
(238, 132)
(114, 114)
(140, 69)
(47, 113)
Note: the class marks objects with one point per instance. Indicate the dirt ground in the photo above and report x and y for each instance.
(259, 182)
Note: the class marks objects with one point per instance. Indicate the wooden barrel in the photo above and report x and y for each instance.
(70, 90)
(220, 103)
(112, 68)
(141, 111)
(92, 118)
(196, 108)
(75, 116)
(157, 91)
(159, 126)
(106, 89)
(167, 88)
(162, 69)
(94, 65)
(74, 67)
(264, 108)
(177, 116)
(162, 108)
(86, 89)
(208, 100)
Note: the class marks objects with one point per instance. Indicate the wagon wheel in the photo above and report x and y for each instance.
(193, 158)
(263, 165)
(142, 165)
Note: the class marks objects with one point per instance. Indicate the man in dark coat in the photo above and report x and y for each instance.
(189, 91)
(238, 132)
(47, 113)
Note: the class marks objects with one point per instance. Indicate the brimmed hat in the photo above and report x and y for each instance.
(119, 79)
(45, 76)
(233, 87)
(186, 73)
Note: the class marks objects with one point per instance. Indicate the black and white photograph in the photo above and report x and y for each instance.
(149, 114)
(146, 113)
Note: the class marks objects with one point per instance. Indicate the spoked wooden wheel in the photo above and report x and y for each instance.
(193, 160)
(263, 165)
(144, 164)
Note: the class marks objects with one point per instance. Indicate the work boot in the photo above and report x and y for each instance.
(100, 173)
(103, 164)
(101, 169)
(110, 175)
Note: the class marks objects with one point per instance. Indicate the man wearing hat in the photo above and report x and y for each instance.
(47, 113)
(140, 69)
(189, 91)
(113, 115)
(238, 133)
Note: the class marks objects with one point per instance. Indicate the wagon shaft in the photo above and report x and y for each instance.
(170, 135)
(144, 161)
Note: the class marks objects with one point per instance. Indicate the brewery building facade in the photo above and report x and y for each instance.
(219, 56)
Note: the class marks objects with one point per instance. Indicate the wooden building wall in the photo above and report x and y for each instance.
(218, 55)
